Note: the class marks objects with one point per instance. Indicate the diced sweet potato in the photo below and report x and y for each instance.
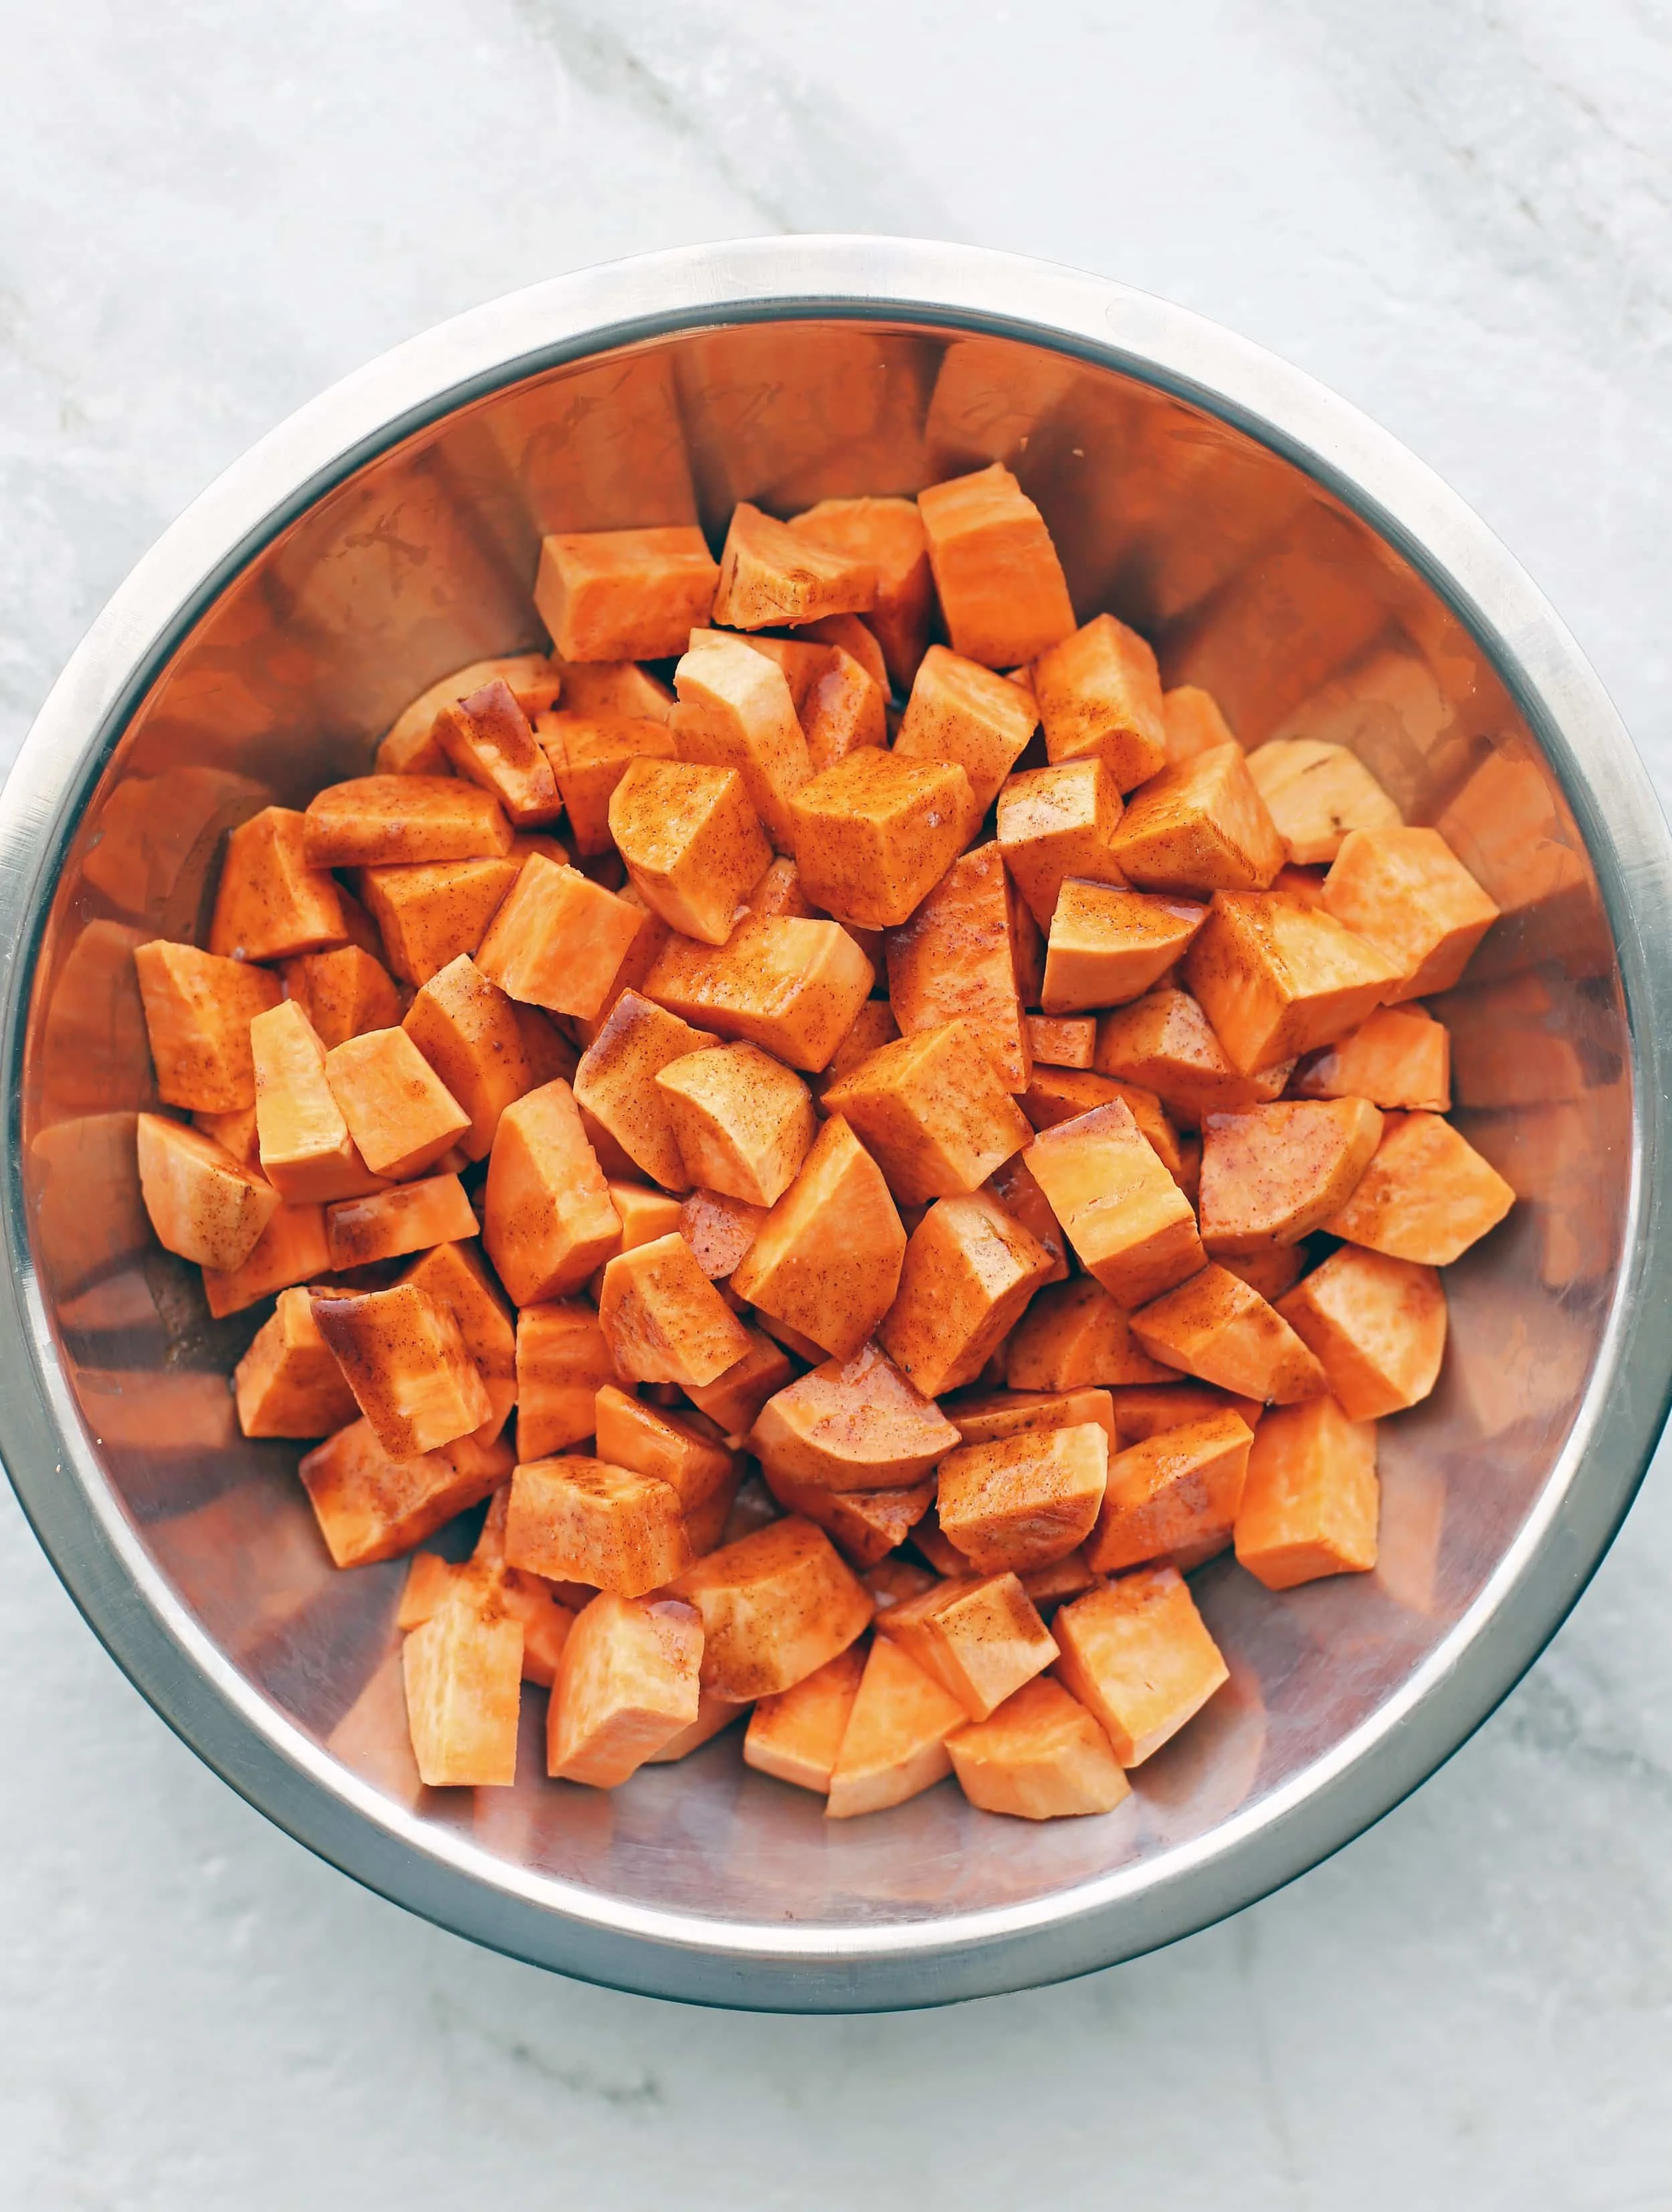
(827, 1257)
(370, 1506)
(390, 821)
(968, 953)
(1025, 1500)
(306, 1149)
(980, 1636)
(626, 1685)
(615, 1084)
(1272, 1271)
(202, 1203)
(960, 711)
(663, 1319)
(551, 1057)
(624, 594)
(1040, 1757)
(1052, 1586)
(288, 1383)
(1061, 1040)
(544, 1620)
(583, 1521)
(1107, 945)
(1271, 1175)
(776, 893)
(1193, 722)
(1055, 823)
(391, 1223)
(800, 660)
(399, 1113)
(742, 1121)
(719, 1230)
(872, 1027)
(790, 1337)
(453, 1274)
(688, 1453)
(876, 831)
(1221, 1329)
(1199, 827)
(1074, 1336)
(775, 1606)
(888, 535)
(733, 1401)
(853, 1425)
(735, 711)
(795, 1734)
(1100, 696)
(431, 912)
(547, 1219)
(970, 1268)
(843, 710)
(1316, 792)
(1407, 894)
(693, 844)
(1276, 977)
(463, 1676)
(344, 992)
(1063, 1094)
(644, 1214)
(1014, 1186)
(589, 755)
(770, 573)
(1145, 1409)
(945, 1558)
(933, 1109)
(996, 571)
(562, 1362)
(198, 1008)
(1164, 1042)
(894, 1579)
(987, 1417)
(559, 941)
(614, 687)
(489, 741)
(1377, 1324)
(714, 1715)
(791, 986)
(1138, 1657)
(1312, 1502)
(409, 747)
(466, 1029)
(894, 1744)
(1427, 1195)
(404, 1356)
(866, 1525)
(270, 904)
(1400, 1057)
(1174, 1496)
(1128, 1221)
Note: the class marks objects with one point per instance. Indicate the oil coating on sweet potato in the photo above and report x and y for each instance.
(693, 844)
(1378, 1325)
(290, 1249)
(1198, 828)
(1312, 1501)
(1074, 1336)
(388, 820)
(827, 1257)
(202, 1203)
(790, 986)
(1138, 1658)
(1408, 895)
(875, 832)
(735, 711)
(430, 913)
(198, 1008)
(1426, 1195)
(1129, 1223)
(960, 711)
(889, 535)
(1108, 945)
(894, 1744)
(583, 1521)
(979, 1636)
(403, 1355)
(686, 1451)
(1040, 1757)
(843, 711)
(389, 1223)
(865, 1525)
(852, 1425)
(624, 594)
(370, 1506)
(1219, 1328)
(1055, 824)
(1277, 977)
(1173, 1495)
(1100, 696)
(559, 941)
(663, 1319)
(344, 992)
(933, 1109)
(1193, 722)
(589, 755)
(996, 571)
(270, 904)
(1400, 1057)
(970, 1269)
(970, 953)
(288, 1383)
(562, 1362)
(795, 1735)
(742, 1121)
(1023, 1501)
(489, 741)
(626, 1685)
(1271, 1175)
(462, 1673)
(770, 573)
(1317, 792)
(467, 1030)
(409, 748)
(398, 1112)
(775, 1606)
(547, 1220)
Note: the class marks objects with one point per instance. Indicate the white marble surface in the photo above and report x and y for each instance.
(1459, 213)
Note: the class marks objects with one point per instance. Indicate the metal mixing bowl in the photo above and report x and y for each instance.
(1279, 549)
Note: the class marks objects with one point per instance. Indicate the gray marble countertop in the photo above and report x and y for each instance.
(1456, 212)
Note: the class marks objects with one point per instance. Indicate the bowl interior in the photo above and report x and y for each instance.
(1251, 580)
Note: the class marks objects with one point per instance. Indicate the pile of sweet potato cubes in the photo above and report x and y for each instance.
(945, 1074)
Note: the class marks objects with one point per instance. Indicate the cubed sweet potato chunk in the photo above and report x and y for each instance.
(933, 1109)
(1317, 792)
(624, 594)
(1025, 1500)
(713, 1716)
(894, 1744)
(1100, 696)
(404, 1356)
(1174, 1496)
(615, 1084)
(1271, 1175)
(1193, 722)
(583, 1521)
(1055, 824)
(742, 1121)
(430, 913)
(687, 1452)
(1075, 1335)
(719, 1230)
(800, 660)
(409, 747)
(1220, 1328)
(1426, 1195)
(733, 1403)
(987, 1416)
(645, 1214)
(1164, 1042)
(735, 711)
(770, 573)
(370, 1506)
(288, 1383)
(843, 711)
(235, 1132)
(852, 1425)
(865, 1525)
(390, 1223)
(970, 1268)
(559, 941)
(1277, 977)
(1377, 1324)
(306, 1149)
(790, 986)
(614, 687)
(1312, 1502)
(466, 1028)
(663, 1319)
(1063, 1094)
(775, 1606)
(960, 711)
(1199, 827)
(1128, 1221)
(1272, 1271)
(1138, 1658)
(692, 843)
(270, 904)
(390, 821)
(1040, 1757)
(198, 1008)
(202, 1203)
(1145, 1409)
(399, 1113)
(627, 1684)
(970, 953)
(980, 1636)
(1400, 1057)
(1061, 1040)
(453, 1273)
(562, 1362)
(547, 1219)
(589, 755)
(1108, 945)
(1014, 1186)
(489, 741)
(1000, 583)
(290, 1249)
(872, 833)
(776, 893)
(827, 1257)
(1407, 894)
(463, 1676)
(888, 534)
(795, 1734)
(344, 992)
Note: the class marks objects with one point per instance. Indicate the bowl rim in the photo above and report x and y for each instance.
(440, 1874)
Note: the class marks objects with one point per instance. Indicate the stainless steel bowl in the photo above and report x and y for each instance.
(1279, 549)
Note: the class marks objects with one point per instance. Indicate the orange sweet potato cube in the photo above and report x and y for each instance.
(713, 1716)
(775, 1606)
(453, 1273)
(1143, 1411)
(1376, 1324)
(1271, 1175)
(843, 711)
(1165, 1043)
(1040, 1757)
(562, 1363)
(1317, 792)
(800, 660)
(980, 1636)
(489, 741)
(790, 986)
(270, 904)
(1400, 1057)
(1312, 1502)
(644, 1214)
(733, 1400)
(771, 573)
(872, 833)
(1099, 695)
(430, 913)
(970, 1268)
(1173, 1495)
(402, 1354)
(1058, 1095)
(390, 1223)
(624, 594)
(1220, 1328)
(614, 687)
(583, 1521)
(589, 755)
(866, 1525)
(893, 1580)
(871, 1028)
(1199, 827)
(1272, 1271)
(894, 1744)
(627, 1684)
(827, 1257)
(198, 1008)
(463, 1676)
(288, 1383)
(306, 1149)
(1074, 1336)
(663, 1319)
(1061, 1040)
(1193, 722)
(692, 843)
(933, 1109)
(1015, 1190)
(1128, 1221)
(1000, 583)
(559, 940)
(1407, 894)
(1426, 1195)
(1108, 945)
(547, 1219)
(391, 821)
(888, 534)
(399, 1113)
(795, 1734)
(742, 1121)
(344, 992)
(960, 711)
(290, 1249)
(614, 1085)
(1138, 1658)
(202, 1203)
(854, 1424)
(719, 1230)
(370, 1506)
(409, 748)
(987, 1416)
(466, 1029)
(1023, 1501)
(1055, 824)
(687, 1452)
(1277, 977)
(735, 711)
(970, 953)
